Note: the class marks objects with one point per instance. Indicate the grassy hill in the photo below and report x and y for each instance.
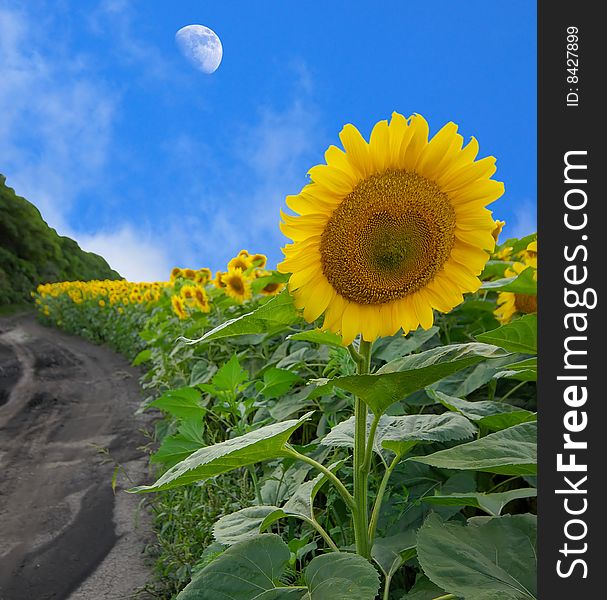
(31, 252)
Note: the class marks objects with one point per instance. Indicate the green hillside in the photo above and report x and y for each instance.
(32, 253)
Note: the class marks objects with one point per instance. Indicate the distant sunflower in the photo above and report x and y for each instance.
(178, 307)
(259, 260)
(200, 299)
(189, 274)
(237, 286)
(218, 280)
(240, 262)
(509, 304)
(391, 229)
(175, 273)
(203, 276)
(187, 292)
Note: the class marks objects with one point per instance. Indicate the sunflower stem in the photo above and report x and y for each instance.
(361, 468)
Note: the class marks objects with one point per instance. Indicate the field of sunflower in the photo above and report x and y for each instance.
(360, 422)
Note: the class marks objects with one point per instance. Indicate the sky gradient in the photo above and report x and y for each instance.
(127, 148)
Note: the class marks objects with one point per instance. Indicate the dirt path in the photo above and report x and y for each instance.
(63, 533)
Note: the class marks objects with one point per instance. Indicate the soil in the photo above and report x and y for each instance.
(64, 405)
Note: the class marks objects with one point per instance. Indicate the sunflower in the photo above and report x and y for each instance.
(237, 286)
(175, 273)
(391, 229)
(240, 262)
(178, 307)
(218, 280)
(189, 274)
(529, 255)
(203, 276)
(509, 304)
(259, 260)
(200, 299)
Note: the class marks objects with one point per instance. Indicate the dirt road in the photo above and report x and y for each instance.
(63, 533)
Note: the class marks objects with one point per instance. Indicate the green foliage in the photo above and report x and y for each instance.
(492, 560)
(250, 483)
(32, 253)
(512, 451)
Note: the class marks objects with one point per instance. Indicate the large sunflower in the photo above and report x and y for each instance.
(391, 229)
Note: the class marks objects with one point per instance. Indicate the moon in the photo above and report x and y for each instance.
(201, 46)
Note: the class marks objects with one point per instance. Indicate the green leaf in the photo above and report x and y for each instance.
(302, 501)
(388, 349)
(492, 415)
(517, 336)
(250, 570)
(243, 524)
(183, 403)
(400, 434)
(253, 569)
(512, 451)
(341, 576)
(277, 382)
(524, 370)
(174, 449)
(285, 407)
(230, 375)
(142, 357)
(490, 503)
(262, 444)
(492, 560)
(317, 336)
(272, 317)
(401, 377)
(519, 284)
(423, 589)
(390, 553)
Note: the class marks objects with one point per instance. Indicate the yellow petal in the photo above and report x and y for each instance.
(398, 128)
(379, 146)
(335, 180)
(419, 139)
(356, 149)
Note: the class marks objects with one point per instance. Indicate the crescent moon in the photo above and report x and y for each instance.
(201, 46)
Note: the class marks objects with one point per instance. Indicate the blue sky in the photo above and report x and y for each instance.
(124, 146)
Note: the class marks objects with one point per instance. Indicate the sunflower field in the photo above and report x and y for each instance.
(359, 423)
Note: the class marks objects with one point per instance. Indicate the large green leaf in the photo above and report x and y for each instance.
(400, 434)
(492, 560)
(183, 403)
(512, 451)
(492, 415)
(262, 444)
(517, 336)
(250, 570)
(341, 576)
(519, 284)
(490, 503)
(272, 317)
(403, 376)
(253, 570)
(244, 524)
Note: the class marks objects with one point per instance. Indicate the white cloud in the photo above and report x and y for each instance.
(135, 256)
(57, 118)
